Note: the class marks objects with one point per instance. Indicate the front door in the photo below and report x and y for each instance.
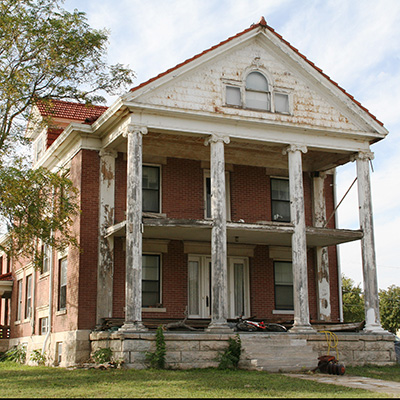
(199, 287)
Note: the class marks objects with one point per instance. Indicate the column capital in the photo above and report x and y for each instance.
(215, 138)
(131, 128)
(363, 155)
(295, 147)
(108, 153)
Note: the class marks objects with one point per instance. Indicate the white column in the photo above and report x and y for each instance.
(322, 258)
(105, 269)
(299, 244)
(134, 226)
(371, 298)
(219, 270)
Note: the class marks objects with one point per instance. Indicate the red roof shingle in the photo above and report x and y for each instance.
(71, 111)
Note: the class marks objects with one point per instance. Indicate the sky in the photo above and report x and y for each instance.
(355, 42)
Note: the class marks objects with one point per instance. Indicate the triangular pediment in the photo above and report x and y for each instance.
(198, 86)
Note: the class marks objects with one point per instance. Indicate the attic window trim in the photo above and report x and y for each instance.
(232, 100)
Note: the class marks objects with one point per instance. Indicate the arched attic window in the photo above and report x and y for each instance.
(257, 92)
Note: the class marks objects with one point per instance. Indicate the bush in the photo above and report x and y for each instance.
(102, 356)
(157, 359)
(230, 358)
(16, 354)
(38, 357)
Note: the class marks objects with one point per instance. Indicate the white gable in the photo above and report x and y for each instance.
(199, 87)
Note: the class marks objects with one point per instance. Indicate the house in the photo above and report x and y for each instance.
(208, 192)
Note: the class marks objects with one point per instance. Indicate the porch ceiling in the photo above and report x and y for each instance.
(263, 233)
(239, 151)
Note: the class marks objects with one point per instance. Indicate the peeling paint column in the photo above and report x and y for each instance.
(219, 269)
(134, 226)
(371, 299)
(299, 244)
(324, 293)
(105, 269)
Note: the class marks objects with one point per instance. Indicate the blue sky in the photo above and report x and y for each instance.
(355, 42)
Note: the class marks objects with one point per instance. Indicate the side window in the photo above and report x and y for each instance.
(62, 284)
(19, 297)
(28, 297)
(151, 294)
(257, 92)
(283, 285)
(280, 200)
(151, 189)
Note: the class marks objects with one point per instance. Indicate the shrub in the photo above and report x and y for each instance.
(157, 359)
(38, 357)
(16, 354)
(231, 356)
(102, 356)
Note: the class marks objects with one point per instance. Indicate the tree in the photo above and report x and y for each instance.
(46, 53)
(389, 308)
(353, 301)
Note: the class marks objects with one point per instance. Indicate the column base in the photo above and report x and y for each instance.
(218, 327)
(375, 328)
(305, 328)
(136, 326)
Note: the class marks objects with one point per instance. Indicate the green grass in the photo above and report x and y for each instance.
(27, 382)
(371, 371)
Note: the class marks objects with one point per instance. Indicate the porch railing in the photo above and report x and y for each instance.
(4, 332)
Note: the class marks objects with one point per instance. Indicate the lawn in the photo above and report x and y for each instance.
(46, 382)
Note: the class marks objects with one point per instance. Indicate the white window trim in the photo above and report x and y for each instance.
(282, 259)
(272, 90)
(155, 309)
(159, 166)
(207, 174)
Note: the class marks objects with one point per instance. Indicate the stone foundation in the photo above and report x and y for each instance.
(260, 351)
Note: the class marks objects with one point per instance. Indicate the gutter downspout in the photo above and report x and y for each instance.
(338, 249)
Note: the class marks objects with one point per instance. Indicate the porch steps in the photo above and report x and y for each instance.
(276, 352)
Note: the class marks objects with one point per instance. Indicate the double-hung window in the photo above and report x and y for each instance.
(280, 200)
(19, 296)
(283, 285)
(151, 280)
(62, 288)
(151, 189)
(257, 92)
(28, 297)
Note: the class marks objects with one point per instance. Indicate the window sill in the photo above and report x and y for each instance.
(44, 275)
(61, 312)
(154, 309)
(282, 312)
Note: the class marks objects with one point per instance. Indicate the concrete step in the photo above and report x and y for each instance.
(277, 352)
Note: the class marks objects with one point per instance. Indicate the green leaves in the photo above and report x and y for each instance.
(38, 207)
(48, 52)
(389, 308)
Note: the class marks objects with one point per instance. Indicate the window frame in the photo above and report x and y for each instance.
(146, 165)
(279, 200)
(284, 310)
(248, 90)
(43, 327)
(207, 175)
(28, 296)
(61, 285)
(19, 299)
(272, 91)
(159, 303)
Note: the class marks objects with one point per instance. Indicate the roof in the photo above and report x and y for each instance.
(262, 23)
(71, 111)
